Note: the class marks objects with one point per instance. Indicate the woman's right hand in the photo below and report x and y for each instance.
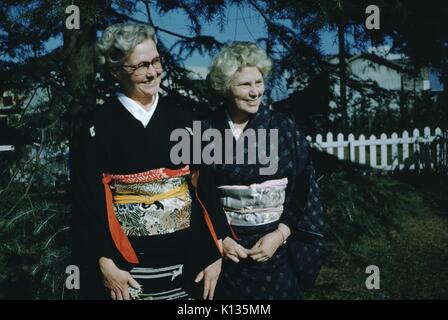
(233, 251)
(117, 281)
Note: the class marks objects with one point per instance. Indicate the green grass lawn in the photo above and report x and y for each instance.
(412, 256)
(412, 263)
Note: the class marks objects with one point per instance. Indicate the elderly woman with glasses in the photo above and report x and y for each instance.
(275, 215)
(149, 229)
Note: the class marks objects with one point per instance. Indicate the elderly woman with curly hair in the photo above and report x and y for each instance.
(276, 247)
(144, 228)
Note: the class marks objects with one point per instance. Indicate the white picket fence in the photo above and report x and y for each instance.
(427, 150)
(389, 153)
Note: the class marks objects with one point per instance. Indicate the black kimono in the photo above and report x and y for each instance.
(296, 264)
(168, 246)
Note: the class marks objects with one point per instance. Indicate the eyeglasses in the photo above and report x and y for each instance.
(143, 67)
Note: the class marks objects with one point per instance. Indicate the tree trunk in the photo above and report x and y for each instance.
(79, 72)
(402, 104)
(342, 75)
(78, 53)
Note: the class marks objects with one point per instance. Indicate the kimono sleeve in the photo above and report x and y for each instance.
(207, 192)
(305, 216)
(90, 227)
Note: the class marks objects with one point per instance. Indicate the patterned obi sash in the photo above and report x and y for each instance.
(150, 203)
(254, 205)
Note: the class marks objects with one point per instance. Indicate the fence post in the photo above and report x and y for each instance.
(394, 141)
(340, 140)
(372, 149)
(416, 151)
(439, 140)
(319, 141)
(444, 151)
(351, 146)
(362, 149)
(330, 143)
(427, 148)
(405, 142)
(383, 151)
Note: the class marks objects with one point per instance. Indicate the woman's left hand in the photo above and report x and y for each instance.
(210, 276)
(266, 246)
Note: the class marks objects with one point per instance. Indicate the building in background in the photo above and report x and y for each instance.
(382, 88)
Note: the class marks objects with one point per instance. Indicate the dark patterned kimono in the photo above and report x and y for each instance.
(134, 206)
(296, 264)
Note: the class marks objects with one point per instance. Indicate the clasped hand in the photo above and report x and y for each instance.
(264, 249)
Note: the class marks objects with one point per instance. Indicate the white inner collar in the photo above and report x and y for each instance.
(136, 109)
(235, 131)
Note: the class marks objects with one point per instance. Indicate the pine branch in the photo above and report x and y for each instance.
(197, 39)
(148, 11)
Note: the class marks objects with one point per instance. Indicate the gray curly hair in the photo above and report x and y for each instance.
(232, 58)
(120, 39)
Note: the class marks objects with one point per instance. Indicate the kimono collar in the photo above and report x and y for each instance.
(260, 120)
(136, 110)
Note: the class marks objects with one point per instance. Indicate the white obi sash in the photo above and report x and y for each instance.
(253, 205)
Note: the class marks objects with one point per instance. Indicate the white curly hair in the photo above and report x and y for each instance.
(120, 39)
(232, 58)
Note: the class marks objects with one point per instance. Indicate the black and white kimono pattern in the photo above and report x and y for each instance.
(296, 264)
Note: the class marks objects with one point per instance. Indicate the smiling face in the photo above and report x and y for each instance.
(141, 88)
(245, 92)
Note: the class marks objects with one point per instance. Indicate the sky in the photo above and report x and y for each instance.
(242, 24)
